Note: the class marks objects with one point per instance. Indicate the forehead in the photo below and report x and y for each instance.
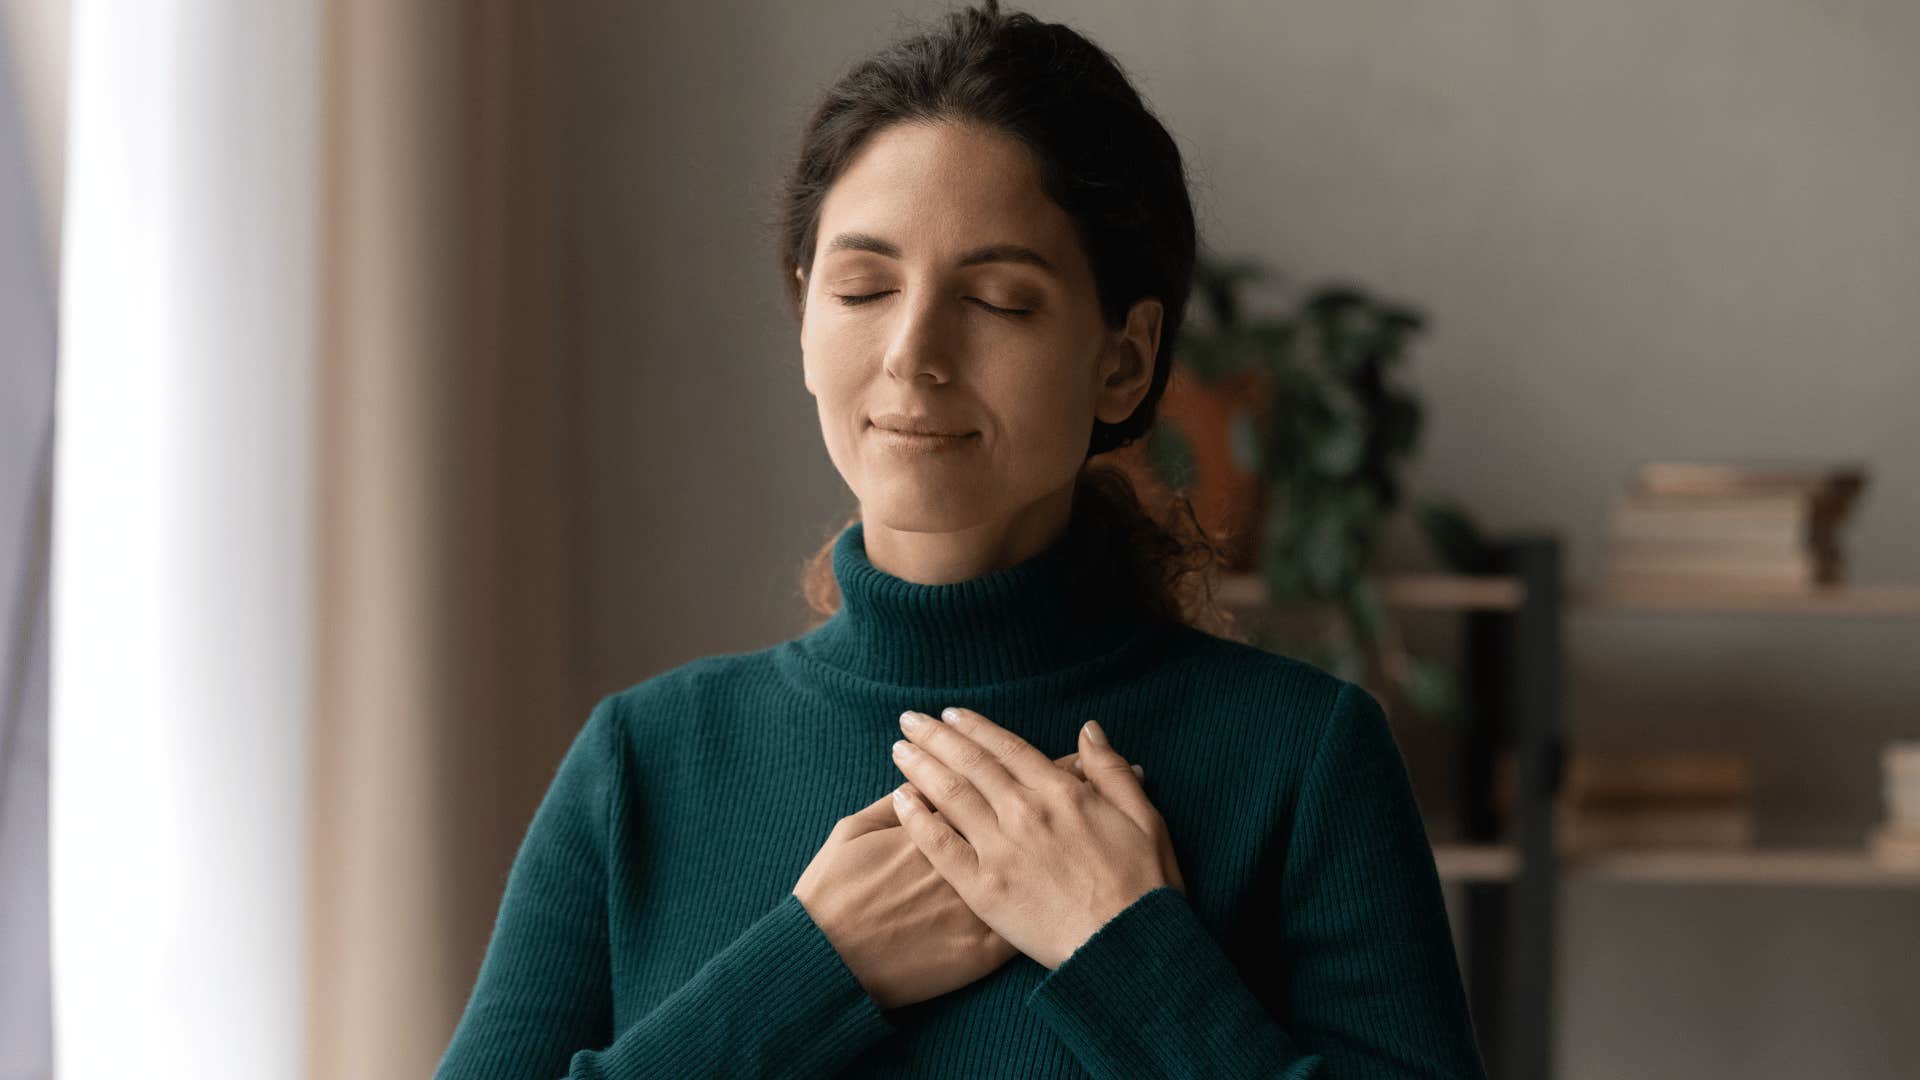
(933, 189)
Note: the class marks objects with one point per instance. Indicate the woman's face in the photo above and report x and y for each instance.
(946, 287)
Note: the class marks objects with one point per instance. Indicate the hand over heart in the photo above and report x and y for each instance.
(1041, 856)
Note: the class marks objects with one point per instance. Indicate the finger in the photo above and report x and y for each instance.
(969, 759)
(1017, 757)
(1072, 762)
(1111, 776)
(952, 857)
(893, 811)
(1138, 770)
(944, 789)
(875, 815)
(1163, 840)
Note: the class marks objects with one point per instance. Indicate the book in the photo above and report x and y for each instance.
(1713, 826)
(1839, 481)
(1594, 777)
(1683, 525)
(1658, 574)
(1781, 521)
(1732, 550)
(1895, 845)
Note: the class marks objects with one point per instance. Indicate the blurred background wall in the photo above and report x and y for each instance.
(1643, 230)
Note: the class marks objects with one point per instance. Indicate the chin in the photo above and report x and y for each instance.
(922, 511)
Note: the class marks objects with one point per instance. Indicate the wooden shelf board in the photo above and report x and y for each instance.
(1425, 592)
(1834, 866)
(1476, 862)
(1896, 600)
(1468, 592)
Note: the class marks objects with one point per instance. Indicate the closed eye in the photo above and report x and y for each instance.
(856, 301)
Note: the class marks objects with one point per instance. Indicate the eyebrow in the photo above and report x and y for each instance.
(1013, 253)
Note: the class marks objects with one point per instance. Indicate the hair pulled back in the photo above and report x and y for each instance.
(1104, 158)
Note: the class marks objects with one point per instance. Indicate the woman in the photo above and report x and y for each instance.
(988, 242)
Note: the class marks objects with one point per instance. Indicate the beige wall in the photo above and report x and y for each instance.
(1643, 230)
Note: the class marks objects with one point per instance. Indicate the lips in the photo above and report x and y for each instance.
(924, 434)
(919, 425)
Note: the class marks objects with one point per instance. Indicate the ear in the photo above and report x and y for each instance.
(800, 275)
(1126, 365)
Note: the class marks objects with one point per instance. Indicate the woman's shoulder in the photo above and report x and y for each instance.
(687, 690)
(1249, 670)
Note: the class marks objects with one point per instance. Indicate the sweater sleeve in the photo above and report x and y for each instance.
(1372, 986)
(776, 1001)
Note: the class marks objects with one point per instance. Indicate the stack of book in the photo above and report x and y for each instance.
(1896, 840)
(1639, 801)
(1760, 525)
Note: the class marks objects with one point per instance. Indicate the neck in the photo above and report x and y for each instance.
(938, 558)
(1043, 614)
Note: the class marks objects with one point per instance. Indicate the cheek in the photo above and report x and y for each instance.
(1046, 411)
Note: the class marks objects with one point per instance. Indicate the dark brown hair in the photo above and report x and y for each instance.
(1106, 160)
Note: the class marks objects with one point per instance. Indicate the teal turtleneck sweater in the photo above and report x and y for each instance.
(648, 927)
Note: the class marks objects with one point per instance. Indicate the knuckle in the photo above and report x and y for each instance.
(946, 841)
(951, 785)
(990, 881)
(1005, 747)
(1033, 814)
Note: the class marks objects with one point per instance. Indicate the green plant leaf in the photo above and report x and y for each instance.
(1400, 422)
(1347, 661)
(1432, 687)
(1244, 441)
(1362, 505)
(1455, 538)
(1365, 612)
(1325, 554)
(1339, 448)
(1170, 456)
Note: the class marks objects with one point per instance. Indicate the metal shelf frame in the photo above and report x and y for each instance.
(1513, 668)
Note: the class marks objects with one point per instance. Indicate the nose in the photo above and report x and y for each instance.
(922, 340)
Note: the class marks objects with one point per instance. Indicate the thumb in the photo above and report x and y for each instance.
(1113, 777)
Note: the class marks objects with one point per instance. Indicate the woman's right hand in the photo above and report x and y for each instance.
(902, 930)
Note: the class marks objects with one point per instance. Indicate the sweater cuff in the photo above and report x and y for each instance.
(779, 996)
(1152, 993)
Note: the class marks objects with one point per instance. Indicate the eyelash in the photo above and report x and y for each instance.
(856, 301)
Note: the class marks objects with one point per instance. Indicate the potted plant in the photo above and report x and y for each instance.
(1306, 408)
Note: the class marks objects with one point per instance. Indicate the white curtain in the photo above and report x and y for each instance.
(182, 599)
(311, 655)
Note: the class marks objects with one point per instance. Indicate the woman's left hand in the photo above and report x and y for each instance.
(1042, 857)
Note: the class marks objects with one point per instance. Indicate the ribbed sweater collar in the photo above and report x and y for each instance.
(1044, 614)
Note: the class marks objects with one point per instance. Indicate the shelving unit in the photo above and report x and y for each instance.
(1513, 667)
(1813, 866)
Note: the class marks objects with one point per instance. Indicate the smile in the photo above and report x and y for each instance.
(923, 444)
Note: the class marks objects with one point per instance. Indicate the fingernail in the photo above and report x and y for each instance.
(950, 714)
(900, 799)
(1139, 772)
(911, 720)
(1098, 737)
(902, 748)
